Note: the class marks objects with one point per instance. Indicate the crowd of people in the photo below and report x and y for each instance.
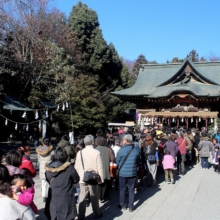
(85, 171)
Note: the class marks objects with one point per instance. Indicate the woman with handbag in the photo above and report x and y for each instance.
(152, 159)
(61, 175)
(107, 158)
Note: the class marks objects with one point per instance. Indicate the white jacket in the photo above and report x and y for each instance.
(11, 209)
(92, 162)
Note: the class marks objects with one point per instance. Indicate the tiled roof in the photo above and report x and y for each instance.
(152, 76)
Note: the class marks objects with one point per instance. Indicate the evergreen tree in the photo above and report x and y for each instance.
(140, 60)
(98, 59)
(87, 110)
(116, 107)
(193, 55)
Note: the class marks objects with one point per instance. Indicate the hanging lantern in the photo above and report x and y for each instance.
(6, 122)
(173, 120)
(24, 115)
(16, 126)
(58, 108)
(11, 111)
(63, 108)
(199, 119)
(46, 113)
(182, 120)
(191, 120)
(36, 114)
(67, 105)
(27, 128)
(211, 120)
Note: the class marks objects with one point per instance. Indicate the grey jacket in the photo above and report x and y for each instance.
(11, 209)
(204, 147)
(69, 151)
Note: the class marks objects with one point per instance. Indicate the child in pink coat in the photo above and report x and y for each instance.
(168, 166)
(23, 191)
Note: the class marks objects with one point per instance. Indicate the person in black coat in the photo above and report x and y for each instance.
(197, 140)
(62, 176)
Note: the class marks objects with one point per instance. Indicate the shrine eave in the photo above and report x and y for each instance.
(155, 80)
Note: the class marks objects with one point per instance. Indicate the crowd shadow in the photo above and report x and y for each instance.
(41, 215)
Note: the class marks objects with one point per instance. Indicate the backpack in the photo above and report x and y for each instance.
(217, 136)
(190, 144)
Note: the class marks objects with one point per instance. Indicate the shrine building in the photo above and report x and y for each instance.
(177, 94)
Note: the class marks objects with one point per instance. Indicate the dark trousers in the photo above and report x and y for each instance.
(189, 152)
(125, 182)
(181, 163)
(204, 162)
(217, 168)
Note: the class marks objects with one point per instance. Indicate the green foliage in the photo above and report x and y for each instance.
(88, 112)
(116, 106)
(140, 60)
(193, 55)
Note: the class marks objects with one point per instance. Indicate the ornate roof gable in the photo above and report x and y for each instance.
(189, 72)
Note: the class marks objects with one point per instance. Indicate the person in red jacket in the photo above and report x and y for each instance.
(26, 162)
(182, 143)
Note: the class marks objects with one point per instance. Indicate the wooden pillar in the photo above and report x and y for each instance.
(159, 120)
(196, 122)
(206, 124)
(187, 123)
(168, 122)
(178, 122)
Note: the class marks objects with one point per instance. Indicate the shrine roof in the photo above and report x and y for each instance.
(160, 80)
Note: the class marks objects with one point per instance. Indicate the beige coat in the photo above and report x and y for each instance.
(44, 156)
(92, 162)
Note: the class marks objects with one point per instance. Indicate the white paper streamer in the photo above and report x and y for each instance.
(24, 115)
(211, 120)
(63, 108)
(58, 108)
(191, 120)
(6, 122)
(173, 120)
(39, 124)
(47, 113)
(67, 105)
(11, 111)
(182, 120)
(27, 128)
(36, 115)
(199, 119)
(16, 126)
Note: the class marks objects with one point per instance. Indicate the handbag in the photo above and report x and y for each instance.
(117, 173)
(89, 177)
(151, 159)
(112, 166)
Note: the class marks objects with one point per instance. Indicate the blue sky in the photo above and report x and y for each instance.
(159, 29)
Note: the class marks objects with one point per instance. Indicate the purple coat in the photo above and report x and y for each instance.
(171, 146)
